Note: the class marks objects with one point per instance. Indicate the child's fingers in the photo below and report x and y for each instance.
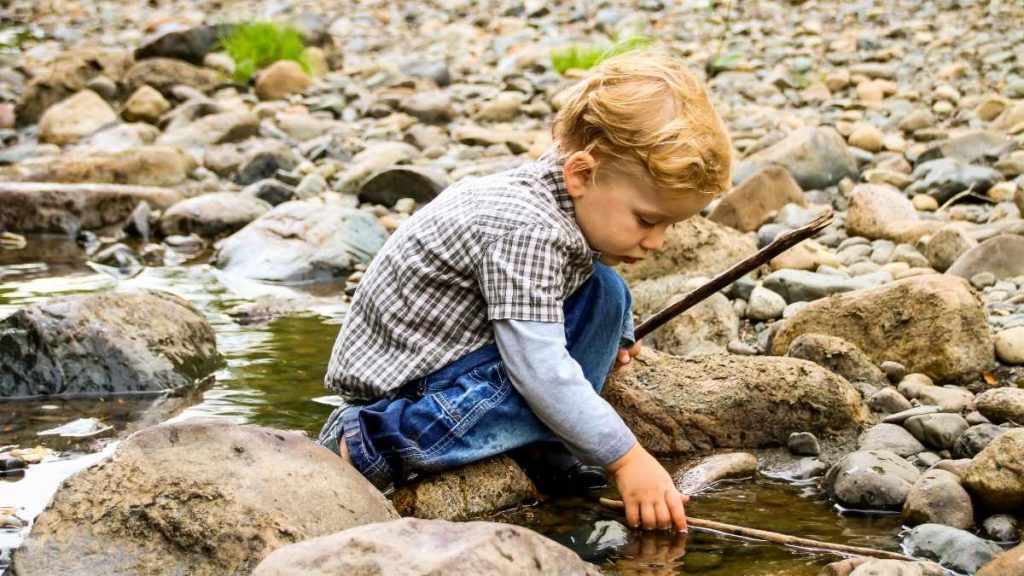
(647, 516)
(662, 514)
(633, 514)
(674, 500)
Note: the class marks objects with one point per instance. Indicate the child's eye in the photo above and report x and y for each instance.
(645, 222)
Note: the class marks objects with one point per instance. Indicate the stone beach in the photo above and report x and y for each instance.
(166, 227)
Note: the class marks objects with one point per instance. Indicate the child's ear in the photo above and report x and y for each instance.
(579, 172)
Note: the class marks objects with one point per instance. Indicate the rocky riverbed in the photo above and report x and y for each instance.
(176, 244)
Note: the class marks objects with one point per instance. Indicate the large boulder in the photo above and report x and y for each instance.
(472, 491)
(45, 208)
(1003, 256)
(1008, 563)
(816, 158)
(198, 497)
(871, 480)
(147, 166)
(996, 475)
(707, 327)
(104, 345)
(837, 355)
(953, 548)
(898, 322)
(65, 75)
(414, 547)
(75, 118)
(750, 204)
(881, 211)
(693, 247)
(302, 241)
(213, 214)
(683, 405)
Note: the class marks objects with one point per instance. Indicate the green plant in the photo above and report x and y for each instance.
(257, 45)
(586, 56)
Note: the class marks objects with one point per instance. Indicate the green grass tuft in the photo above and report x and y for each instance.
(585, 57)
(258, 45)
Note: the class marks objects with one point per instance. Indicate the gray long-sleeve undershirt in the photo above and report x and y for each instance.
(554, 387)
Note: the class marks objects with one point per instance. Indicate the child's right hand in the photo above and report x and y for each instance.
(648, 492)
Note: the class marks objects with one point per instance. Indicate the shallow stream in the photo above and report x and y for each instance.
(273, 372)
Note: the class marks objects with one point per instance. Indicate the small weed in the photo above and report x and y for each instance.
(258, 45)
(585, 57)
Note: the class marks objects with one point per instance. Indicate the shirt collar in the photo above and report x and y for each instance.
(553, 177)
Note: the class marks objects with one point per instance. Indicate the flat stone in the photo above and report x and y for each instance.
(945, 177)
(45, 208)
(190, 44)
(892, 438)
(714, 469)
(939, 431)
(1002, 256)
(953, 548)
(164, 74)
(148, 166)
(804, 286)
(211, 215)
(901, 417)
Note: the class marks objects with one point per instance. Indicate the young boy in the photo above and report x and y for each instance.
(490, 319)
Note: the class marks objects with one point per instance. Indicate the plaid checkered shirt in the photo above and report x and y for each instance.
(504, 246)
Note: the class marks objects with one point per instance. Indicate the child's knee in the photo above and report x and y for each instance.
(615, 296)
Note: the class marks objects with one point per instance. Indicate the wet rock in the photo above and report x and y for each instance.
(188, 44)
(750, 204)
(412, 546)
(212, 215)
(888, 401)
(149, 166)
(65, 75)
(105, 344)
(1010, 345)
(901, 417)
(879, 211)
(898, 321)
(713, 469)
(765, 304)
(212, 129)
(871, 480)
(1007, 563)
(708, 327)
(943, 178)
(804, 286)
(1002, 405)
(953, 548)
(68, 208)
(164, 74)
(815, 157)
(280, 80)
(996, 475)
(270, 190)
(302, 241)
(837, 355)
(974, 440)
(937, 498)
(73, 119)
(119, 257)
(693, 247)
(892, 438)
(938, 431)
(1003, 256)
(264, 160)
(471, 491)
(682, 405)
(396, 182)
(803, 444)
(172, 496)
(1001, 528)
(145, 105)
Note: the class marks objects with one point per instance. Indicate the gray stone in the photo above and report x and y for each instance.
(270, 190)
(945, 177)
(1002, 528)
(890, 437)
(871, 480)
(105, 344)
(68, 208)
(888, 401)
(974, 440)
(938, 431)
(211, 215)
(396, 182)
(937, 498)
(302, 241)
(264, 161)
(413, 546)
(901, 417)
(764, 304)
(953, 548)
(803, 444)
(804, 286)
(978, 145)
(946, 245)
(188, 44)
(815, 157)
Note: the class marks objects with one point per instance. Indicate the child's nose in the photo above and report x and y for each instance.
(653, 241)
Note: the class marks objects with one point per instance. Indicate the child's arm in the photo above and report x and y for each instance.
(553, 385)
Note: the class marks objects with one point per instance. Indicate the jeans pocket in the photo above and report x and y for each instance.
(468, 397)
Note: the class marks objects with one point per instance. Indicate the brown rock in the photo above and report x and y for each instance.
(880, 211)
(898, 321)
(73, 119)
(748, 205)
(693, 247)
(147, 166)
(996, 475)
(280, 80)
(1008, 563)
(476, 490)
(413, 547)
(1002, 405)
(683, 405)
(47, 208)
(708, 471)
(198, 497)
(1002, 256)
(164, 74)
(214, 214)
(65, 75)
(937, 497)
(145, 105)
(837, 355)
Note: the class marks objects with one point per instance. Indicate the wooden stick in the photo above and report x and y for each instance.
(775, 537)
(782, 242)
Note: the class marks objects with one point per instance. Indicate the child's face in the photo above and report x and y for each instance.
(621, 216)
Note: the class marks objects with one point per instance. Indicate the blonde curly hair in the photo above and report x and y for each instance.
(645, 109)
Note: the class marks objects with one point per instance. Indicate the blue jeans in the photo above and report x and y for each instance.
(469, 409)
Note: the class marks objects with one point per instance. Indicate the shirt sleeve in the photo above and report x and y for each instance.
(554, 387)
(521, 275)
